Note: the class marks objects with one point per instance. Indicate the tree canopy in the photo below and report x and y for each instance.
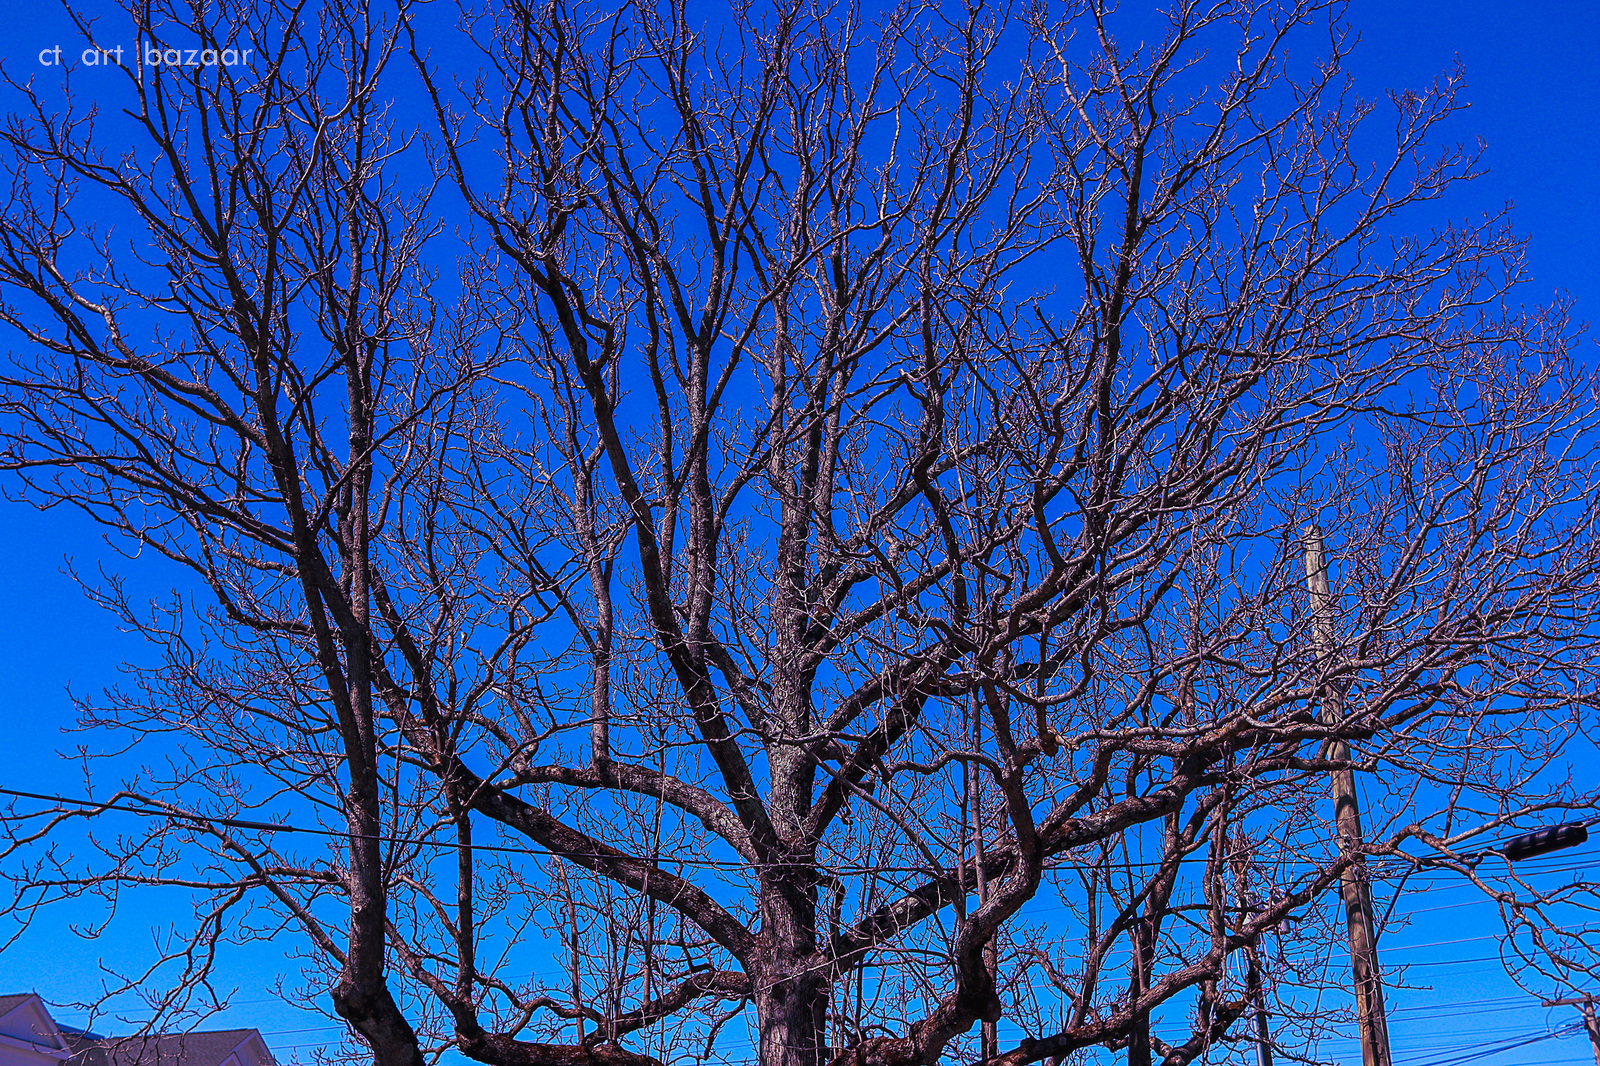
(780, 533)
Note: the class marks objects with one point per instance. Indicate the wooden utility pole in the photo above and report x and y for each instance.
(989, 1041)
(1353, 888)
(1587, 1003)
(1255, 994)
(1258, 1000)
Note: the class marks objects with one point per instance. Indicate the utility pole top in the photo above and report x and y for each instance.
(1590, 1024)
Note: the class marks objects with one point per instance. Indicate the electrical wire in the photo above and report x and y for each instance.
(1487, 1049)
(284, 827)
(502, 849)
(276, 827)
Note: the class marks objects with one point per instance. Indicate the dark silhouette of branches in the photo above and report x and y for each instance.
(786, 522)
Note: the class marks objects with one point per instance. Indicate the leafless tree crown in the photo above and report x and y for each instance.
(778, 533)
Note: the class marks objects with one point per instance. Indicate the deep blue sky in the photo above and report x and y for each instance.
(1533, 76)
(1534, 79)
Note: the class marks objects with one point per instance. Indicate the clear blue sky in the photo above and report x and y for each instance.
(1533, 73)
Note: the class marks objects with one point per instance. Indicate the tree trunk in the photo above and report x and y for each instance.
(791, 994)
(792, 1013)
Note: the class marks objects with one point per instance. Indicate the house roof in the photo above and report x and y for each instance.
(154, 1049)
(25, 1020)
(160, 1049)
(10, 1003)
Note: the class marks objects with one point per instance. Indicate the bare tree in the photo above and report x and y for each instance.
(775, 534)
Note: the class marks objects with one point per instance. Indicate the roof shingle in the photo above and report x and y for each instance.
(158, 1049)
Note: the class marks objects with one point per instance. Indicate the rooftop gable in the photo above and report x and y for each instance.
(25, 1022)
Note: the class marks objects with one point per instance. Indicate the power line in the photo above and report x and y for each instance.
(1485, 1050)
(276, 827)
(167, 811)
(284, 827)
